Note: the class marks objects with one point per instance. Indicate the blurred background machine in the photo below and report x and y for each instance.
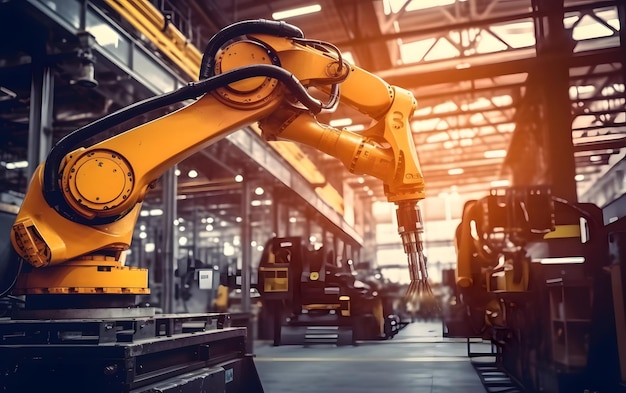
(310, 297)
(541, 279)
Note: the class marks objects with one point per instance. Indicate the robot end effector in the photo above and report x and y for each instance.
(386, 151)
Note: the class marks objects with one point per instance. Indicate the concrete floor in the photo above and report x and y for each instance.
(417, 360)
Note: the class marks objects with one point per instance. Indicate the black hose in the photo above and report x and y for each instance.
(257, 26)
(11, 258)
(51, 187)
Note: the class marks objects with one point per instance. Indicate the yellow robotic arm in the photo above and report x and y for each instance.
(80, 210)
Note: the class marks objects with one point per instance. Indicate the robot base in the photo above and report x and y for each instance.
(164, 353)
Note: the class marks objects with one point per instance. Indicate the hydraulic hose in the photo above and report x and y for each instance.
(257, 26)
(51, 187)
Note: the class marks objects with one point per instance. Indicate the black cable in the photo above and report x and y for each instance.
(276, 28)
(257, 26)
(334, 95)
(9, 288)
(51, 187)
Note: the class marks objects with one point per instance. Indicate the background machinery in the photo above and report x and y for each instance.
(78, 313)
(536, 277)
(310, 298)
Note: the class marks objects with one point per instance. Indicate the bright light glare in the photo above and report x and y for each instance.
(562, 260)
(105, 35)
(346, 121)
(588, 28)
(501, 153)
(296, 12)
(355, 128)
(393, 6)
(500, 183)
(15, 165)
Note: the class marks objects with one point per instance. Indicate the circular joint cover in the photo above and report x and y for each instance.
(97, 183)
(249, 91)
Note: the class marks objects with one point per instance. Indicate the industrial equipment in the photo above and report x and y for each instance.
(78, 216)
(532, 278)
(311, 299)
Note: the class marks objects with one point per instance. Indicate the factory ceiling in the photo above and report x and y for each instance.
(476, 67)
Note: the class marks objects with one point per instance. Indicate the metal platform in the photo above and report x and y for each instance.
(157, 354)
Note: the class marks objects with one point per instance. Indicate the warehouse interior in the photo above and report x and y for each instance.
(489, 257)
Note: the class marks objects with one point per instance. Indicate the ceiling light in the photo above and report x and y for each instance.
(455, 171)
(449, 144)
(579, 177)
(259, 191)
(506, 127)
(192, 173)
(15, 165)
(346, 121)
(296, 12)
(394, 6)
(355, 127)
(499, 153)
(561, 260)
(500, 183)
(595, 158)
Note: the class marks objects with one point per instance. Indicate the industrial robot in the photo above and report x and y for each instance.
(79, 328)
(533, 279)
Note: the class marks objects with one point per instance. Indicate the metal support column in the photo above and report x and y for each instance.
(621, 15)
(246, 259)
(275, 211)
(554, 47)
(40, 116)
(170, 245)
